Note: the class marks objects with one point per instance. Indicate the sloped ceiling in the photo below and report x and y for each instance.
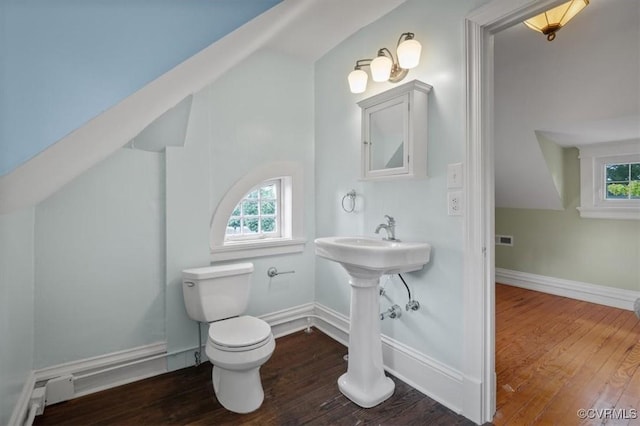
(307, 29)
(581, 88)
(66, 61)
(326, 23)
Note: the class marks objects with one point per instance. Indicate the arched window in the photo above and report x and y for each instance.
(260, 215)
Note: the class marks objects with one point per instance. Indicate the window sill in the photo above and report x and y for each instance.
(249, 249)
(620, 213)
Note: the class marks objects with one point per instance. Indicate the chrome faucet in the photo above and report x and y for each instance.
(390, 227)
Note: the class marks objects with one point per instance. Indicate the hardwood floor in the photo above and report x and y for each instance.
(555, 356)
(300, 388)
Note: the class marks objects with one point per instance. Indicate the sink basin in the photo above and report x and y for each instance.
(366, 260)
(374, 254)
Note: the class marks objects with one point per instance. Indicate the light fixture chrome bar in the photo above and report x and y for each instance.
(392, 69)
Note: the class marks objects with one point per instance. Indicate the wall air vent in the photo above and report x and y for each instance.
(504, 240)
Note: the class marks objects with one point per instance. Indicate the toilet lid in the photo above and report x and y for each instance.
(239, 332)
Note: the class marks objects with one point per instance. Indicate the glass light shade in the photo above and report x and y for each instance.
(554, 19)
(409, 54)
(358, 81)
(381, 68)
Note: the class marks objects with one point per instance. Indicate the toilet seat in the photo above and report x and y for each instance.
(239, 334)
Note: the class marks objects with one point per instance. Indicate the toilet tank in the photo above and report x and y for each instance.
(213, 293)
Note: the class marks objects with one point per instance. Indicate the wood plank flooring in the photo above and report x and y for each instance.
(555, 356)
(300, 388)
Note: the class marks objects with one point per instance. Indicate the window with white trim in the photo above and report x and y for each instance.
(261, 214)
(610, 181)
(622, 181)
(258, 214)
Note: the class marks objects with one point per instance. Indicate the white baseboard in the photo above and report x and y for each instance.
(21, 409)
(332, 323)
(290, 320)
(602, 295)
(101, 361)
(434, 379)
(115, 369)
(106, 371)
(95, 374)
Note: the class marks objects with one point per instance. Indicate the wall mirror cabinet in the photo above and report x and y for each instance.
(394, 132)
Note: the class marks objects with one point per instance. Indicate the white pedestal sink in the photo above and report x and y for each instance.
(366, 260)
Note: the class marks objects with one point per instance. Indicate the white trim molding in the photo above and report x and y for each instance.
(107, 371)
(290, 320)
(95, 374)
(292, 193)
(593, 159)
(21, 408)
(438, 381)
(434, 379)
(479, 386)
(602, 295)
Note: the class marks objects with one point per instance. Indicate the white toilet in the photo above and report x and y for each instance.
(237, 345)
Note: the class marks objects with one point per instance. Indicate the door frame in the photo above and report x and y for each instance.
(479, 379)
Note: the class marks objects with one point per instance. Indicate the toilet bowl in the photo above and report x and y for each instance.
(237, 345)
(237, 348)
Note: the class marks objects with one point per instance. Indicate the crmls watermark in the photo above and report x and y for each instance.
(608, 413)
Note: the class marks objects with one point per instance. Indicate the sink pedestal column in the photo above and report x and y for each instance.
(365, 382)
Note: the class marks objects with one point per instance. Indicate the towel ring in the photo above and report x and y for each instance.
(351, 195)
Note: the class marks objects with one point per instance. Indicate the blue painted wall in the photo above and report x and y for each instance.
(63, 63)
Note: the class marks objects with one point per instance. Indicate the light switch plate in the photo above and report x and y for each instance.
(454, 175)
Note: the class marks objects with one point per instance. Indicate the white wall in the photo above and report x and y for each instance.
(111, 223)
(110, 246)
(16, 306)
(582, 87)
(419, 206)
(99, 261)
(261, 111)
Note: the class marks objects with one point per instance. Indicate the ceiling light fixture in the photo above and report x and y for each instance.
(549, 22)
(384, 67)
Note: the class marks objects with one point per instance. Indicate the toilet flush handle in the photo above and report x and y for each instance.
(272, 272)
(190, 283)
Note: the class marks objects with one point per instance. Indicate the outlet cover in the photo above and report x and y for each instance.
(454, 203)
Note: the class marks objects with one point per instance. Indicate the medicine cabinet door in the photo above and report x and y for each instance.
(385, 146)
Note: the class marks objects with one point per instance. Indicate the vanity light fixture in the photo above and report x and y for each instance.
(385, 67)
(549, 22)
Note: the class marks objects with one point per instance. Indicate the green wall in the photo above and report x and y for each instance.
(561, 244)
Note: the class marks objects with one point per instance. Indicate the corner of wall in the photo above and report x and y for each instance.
(554, 158)
(17, 308)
